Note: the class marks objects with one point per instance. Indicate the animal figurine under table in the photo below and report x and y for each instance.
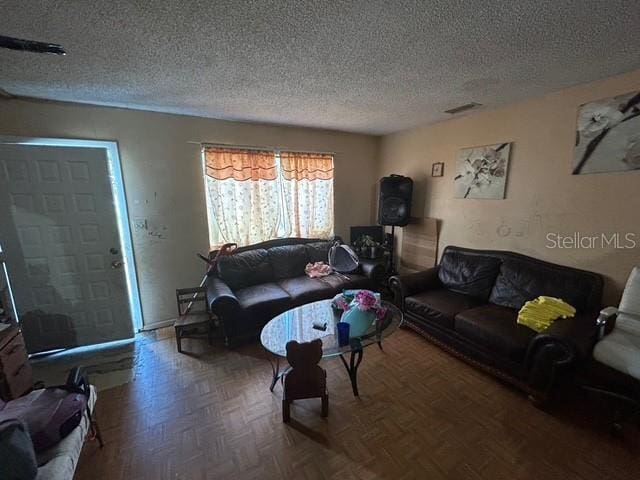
(305, 379)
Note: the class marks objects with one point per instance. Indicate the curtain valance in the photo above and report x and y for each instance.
(240, 164)
(307, 166)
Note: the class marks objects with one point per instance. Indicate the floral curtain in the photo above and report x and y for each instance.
(308, 193)
(257, 195)
(242, 195)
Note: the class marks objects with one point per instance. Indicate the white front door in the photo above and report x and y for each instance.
(59, 233)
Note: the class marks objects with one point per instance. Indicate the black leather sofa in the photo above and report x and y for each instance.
(258, 282)
(469, 304)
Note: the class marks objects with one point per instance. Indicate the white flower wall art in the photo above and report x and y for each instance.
(481, 172)
(608, 135)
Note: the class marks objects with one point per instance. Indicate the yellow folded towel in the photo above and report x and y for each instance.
(539, 314)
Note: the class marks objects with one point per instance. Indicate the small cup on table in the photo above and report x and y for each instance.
(343, 333)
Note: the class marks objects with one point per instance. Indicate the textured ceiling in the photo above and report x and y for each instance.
(372, 67)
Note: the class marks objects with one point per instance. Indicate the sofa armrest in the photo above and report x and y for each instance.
(406, 285)
(223, 303)
(605, 319)
(372, 269)
(559, 349)
(221, 298)
(579, 332)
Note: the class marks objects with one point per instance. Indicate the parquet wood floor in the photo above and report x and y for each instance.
(421, 414)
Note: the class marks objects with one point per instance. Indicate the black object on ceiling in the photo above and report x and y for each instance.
(31, 46)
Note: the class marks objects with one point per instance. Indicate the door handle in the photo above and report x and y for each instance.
(117, 264)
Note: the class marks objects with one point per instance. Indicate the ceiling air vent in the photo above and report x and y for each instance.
(463, 108)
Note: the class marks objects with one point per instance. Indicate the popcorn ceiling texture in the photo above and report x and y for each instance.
(372, 67)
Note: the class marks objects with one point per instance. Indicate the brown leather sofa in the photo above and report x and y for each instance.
(469, 304)
(260, 281)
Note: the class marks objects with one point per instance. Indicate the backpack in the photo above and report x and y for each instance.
(51, 413)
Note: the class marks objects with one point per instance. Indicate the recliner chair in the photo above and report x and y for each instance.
(618, 345)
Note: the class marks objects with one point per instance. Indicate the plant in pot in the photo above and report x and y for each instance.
(367, 247)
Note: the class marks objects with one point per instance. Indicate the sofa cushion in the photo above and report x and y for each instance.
(244, 269)
(469, 273)
(349, 281)
(620, 350)
(630, 301)
(263, 300)
(288, 261)
(495, 328)
(520, 281)
(440, 306)
(304, 289)
(318, 251)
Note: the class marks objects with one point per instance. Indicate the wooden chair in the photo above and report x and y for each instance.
(305, 378)
(193, 322)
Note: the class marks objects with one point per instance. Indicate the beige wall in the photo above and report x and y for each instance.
(542, 196)
(160, 159)
(164, 185)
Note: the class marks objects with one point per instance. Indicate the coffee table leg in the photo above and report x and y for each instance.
(276, 372)
(352, 368)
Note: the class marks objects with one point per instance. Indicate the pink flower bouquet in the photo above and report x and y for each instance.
(366, 300)
(363, 300)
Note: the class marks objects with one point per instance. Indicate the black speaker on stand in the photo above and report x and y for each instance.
(394, 208)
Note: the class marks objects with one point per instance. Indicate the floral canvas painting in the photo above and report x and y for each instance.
(481, 172)
(608, 135)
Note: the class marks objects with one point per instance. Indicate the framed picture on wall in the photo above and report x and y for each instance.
(437, 169)
(481, 172)
(608, 135)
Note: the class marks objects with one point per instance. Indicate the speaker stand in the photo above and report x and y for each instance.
(391, 269)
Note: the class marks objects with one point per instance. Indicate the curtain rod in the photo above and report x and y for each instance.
(254, 147)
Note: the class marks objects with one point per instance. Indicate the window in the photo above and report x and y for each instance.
(255, 195)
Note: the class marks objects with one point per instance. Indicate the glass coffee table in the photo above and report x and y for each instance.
(297, 324)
